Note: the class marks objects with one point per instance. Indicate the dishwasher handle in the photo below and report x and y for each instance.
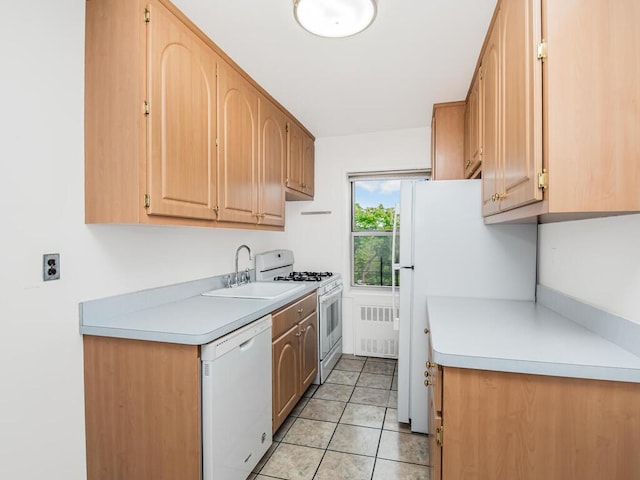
(247, 345)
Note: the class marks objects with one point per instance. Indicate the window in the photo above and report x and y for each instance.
(373, 203)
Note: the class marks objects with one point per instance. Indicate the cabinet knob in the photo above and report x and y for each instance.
(427, 373)
(300, 310)
(430, 364)
(426, 331)
(299, 334)
(427, 383)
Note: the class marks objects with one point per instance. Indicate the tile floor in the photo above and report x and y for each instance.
(347, 429)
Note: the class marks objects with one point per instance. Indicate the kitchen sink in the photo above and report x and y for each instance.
(258, 290)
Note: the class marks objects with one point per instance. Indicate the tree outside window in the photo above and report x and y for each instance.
(373, 208)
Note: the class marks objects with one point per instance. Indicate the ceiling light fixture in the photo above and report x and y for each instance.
(334, 18)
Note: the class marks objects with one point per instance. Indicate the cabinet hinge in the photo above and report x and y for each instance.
(543, 179)
(216, 210)
(480, 71)
(216, 142)
(147, 200)
(542, 50)
(145, 107)
(147, 15)
(286, 129)
(440, 435)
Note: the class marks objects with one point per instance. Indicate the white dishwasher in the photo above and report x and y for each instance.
(236, 401)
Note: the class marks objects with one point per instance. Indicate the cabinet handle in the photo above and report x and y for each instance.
(300, 310)
(430, 364)
(299, 334)
(427, 373)
(468, 164)
(426, 331)
(427, 382)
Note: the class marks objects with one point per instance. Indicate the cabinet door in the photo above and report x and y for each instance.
(273, 154)
(308, 351)
(286, 375)
(521, 104)
(238, 147)
(308, 165)
(473, 128)
(182, 120)
(447, 126)
(435, 448)
(294, 158)
(490, 106)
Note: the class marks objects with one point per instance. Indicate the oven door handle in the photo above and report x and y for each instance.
(327, 297)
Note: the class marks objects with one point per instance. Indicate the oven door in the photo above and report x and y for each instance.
(330, 320)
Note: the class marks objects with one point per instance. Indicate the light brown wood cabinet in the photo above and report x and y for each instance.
(566, 129)
(447, 141)
(237, 147)
(497, 425)
(142, 409)
(295, 355)
(175, 132)
(300, 164)
(473, 148)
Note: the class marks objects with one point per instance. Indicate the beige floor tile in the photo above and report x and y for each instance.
(343, 377)
(332, 391)
(388, 469)
(363, 415)
(404, 447)
(381, 368)
(374, 380)
(344, 466)
(350, 365)
(393, 399)
(351, 356)
(266, 456)
(310, 433)
(353, 439)
(299, 407)
(391, 422)
(284, 428)
(328, 410)
(293, 462)
(370, 396)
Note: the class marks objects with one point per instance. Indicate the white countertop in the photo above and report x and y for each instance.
(522, 337)
(195, 320)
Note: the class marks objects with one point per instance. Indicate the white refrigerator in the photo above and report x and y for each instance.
(445, 249)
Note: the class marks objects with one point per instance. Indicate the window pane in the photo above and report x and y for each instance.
(374, 203)
(372, 260)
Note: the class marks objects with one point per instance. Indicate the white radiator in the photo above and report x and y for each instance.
(373, 322)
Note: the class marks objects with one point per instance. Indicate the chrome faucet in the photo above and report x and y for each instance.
(245, 276)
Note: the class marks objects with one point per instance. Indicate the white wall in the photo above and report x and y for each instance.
(321, 242)
(41, 167)
(596, 261)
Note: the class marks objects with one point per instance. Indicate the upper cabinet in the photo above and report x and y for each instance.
(175, 132)
(181, 155)
(300, 164)
(271, 167)
(565, 144)
(237, 147)
(447, 141)
(473, 129)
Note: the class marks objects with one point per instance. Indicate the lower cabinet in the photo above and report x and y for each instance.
(295, 355)
(499, 425)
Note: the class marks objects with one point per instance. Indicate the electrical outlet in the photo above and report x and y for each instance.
(50, 266)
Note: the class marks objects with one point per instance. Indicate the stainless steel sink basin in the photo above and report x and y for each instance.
(259, 290)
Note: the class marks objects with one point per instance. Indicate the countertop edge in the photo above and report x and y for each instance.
(591, 372)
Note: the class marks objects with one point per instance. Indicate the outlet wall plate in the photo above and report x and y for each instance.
(50, 266)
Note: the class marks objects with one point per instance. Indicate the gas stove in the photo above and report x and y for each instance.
(303, 277)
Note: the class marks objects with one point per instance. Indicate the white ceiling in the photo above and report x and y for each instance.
(416, 53)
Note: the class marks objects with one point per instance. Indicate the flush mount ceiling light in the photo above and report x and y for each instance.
(334, 18)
